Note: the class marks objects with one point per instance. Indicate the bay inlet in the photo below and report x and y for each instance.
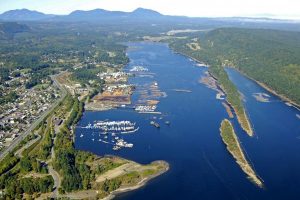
(200, 165)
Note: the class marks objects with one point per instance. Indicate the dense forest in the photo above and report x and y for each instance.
(271, 57)
(268, 56)
(68, 162)
(9, 29)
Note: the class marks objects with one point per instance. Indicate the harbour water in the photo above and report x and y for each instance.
(200, 165)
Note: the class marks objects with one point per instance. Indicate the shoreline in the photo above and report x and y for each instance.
(93, 193)
(189, 57)
(228, 109)
(140, 184)
(248, 130)
(282, 97)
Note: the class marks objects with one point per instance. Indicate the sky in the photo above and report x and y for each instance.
(283, 9)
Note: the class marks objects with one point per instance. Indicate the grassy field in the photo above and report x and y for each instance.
(127, 176)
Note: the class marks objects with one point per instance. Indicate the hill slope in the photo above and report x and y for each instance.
(270, 57)
(9, 29)
(23, 15)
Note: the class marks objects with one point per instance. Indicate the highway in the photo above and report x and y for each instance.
(21, 137)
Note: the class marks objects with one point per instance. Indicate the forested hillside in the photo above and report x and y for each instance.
(270, 57)
(9, 29)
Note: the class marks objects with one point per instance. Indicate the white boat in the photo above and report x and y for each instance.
(129, 145)
(124, 132)
(115, 148)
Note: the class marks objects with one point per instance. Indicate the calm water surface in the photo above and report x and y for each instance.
(200, 166)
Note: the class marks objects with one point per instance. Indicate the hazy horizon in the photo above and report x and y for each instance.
(277, 9)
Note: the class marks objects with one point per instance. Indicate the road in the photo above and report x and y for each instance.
(20, 151)
(17, 141)
(57, 181)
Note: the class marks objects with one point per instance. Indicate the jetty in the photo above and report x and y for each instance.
(145, 108)
(182, 90)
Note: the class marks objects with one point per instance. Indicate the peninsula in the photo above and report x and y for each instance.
(233, 146)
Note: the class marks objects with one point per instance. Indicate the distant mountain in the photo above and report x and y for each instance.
(142, 12)
(24, 15)
(139, 15)
(80, 15)
(92, 15)
(105, 15)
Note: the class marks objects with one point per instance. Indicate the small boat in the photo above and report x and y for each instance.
(81, 135)
(124, 132)
(167, 122)
(155, 124)
(115, 148)
(129, 145)
(93, 139)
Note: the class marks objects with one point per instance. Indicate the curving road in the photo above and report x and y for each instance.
(17, 141)
(27, 145)
(57, 182)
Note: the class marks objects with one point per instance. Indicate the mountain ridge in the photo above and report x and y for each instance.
(102, 14)
(24, 15)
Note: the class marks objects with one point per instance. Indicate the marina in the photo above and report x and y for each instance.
(113, 126)
(109, 129)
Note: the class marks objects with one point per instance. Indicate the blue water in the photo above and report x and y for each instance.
(200, 166)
